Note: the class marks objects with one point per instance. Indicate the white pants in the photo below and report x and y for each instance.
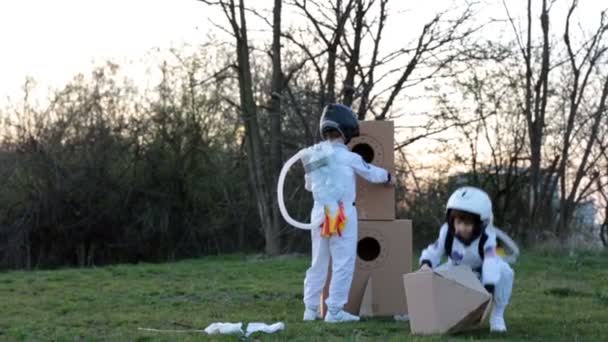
(343, 253)
(504, 286)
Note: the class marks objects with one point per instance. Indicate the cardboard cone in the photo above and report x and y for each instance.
(447, 301)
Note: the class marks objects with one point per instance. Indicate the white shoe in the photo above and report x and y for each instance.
(311, 314)
(340, 316)
(497, 321)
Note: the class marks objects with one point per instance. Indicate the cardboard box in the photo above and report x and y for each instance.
(376, 145)
(384, 254)
(445, 301)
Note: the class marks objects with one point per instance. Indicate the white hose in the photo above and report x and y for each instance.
(281, 200)
(510, 244)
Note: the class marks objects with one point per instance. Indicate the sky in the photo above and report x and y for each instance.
(53, 40)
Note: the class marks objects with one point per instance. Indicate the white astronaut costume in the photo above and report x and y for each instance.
(330, 176)
(341, 249)
(496, 274)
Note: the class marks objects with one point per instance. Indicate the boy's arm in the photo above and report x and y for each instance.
(369, 172)
(491, 268)
(432, 255)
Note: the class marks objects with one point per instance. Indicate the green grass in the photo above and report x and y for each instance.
(555, 298)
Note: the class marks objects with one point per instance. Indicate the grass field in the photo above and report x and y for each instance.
(555, 298)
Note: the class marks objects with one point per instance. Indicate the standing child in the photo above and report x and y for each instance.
(337, 238)
(469, 238)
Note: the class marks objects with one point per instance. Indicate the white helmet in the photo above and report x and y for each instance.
(474, 201)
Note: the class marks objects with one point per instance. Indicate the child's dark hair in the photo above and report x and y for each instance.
(331, 133)
(477, 226)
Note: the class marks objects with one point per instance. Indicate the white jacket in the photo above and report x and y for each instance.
(355, 165)
(467, 255)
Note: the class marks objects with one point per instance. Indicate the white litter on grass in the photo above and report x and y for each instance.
(227, 328)
(263, 327)
(224, 328)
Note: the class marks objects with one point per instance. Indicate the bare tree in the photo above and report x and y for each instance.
(435, 48)
(505, 95)
(272, 232)
(328, 20)
(535, 102)
(362, 7)
(602, 191)
(236, 16)
(583, 63)
(487, 118)
(373, 82)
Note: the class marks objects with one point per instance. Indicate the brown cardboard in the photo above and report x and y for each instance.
(376, 145)
(445, 301)
(384, 254)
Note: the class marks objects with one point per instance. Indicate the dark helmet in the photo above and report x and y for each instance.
(341, 118)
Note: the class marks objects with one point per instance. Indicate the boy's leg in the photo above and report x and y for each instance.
(504, 286)
(343, 255)
(316, 274)
(502, 295)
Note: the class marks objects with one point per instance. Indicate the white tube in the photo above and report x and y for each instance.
(510, 244)
(281, 200)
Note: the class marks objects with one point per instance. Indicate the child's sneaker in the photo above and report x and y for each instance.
(497, 321)
(311, 314)
(340, 316)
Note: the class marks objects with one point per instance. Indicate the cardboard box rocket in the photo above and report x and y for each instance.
(445, 301)
(376, 145)
(384, 254)
(384, 247)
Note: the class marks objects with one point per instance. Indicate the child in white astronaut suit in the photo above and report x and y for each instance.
(338, 125)
(469, 238)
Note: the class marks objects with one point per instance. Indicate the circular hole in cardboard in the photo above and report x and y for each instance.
(368, 249)
(365, 151)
